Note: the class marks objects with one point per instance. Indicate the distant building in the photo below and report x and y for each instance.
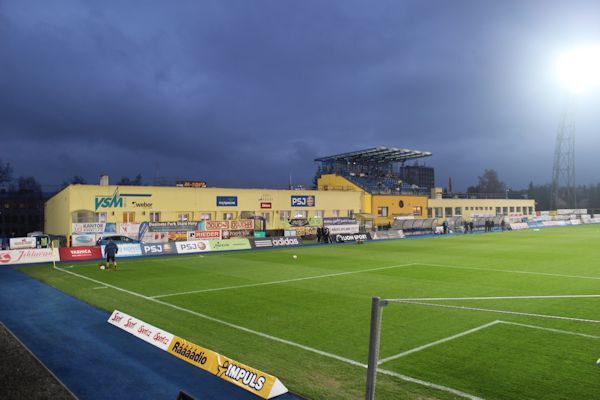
(21, 213)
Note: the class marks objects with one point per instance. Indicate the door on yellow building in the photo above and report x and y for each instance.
(129, 216)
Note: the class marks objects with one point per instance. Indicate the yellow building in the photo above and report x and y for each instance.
(122, 204)
(382, 207)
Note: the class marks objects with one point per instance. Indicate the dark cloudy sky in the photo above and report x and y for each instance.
(243, 93)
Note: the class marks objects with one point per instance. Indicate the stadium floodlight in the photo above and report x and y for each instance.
(579, 69)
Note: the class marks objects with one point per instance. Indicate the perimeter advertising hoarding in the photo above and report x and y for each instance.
(126, 250)
(80, 253)
(303, 201)
(335, 229)
(230, 244)
(192, 246)
(276, 242)
(339, 221)
(158, 248)
(356, 237)
(28, 256)
(255, 381)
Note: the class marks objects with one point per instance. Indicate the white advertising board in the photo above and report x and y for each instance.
(337, 229)
(192, 246)
(142, 330)
(22, 243)
(28, 256)
(126, 250)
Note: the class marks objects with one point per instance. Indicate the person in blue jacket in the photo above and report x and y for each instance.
(111, 251)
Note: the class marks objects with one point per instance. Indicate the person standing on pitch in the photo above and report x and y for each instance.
(111, 251)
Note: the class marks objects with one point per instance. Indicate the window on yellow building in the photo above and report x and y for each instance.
(382, 211)
(154, 217)
(183, 217)
(417, 211)
(129, 216)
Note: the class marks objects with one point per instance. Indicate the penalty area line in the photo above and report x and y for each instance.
(278, 339)
(281, 281)
(560, 296)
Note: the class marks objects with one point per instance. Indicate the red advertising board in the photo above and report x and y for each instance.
(204, 235)
(80, 253)
(265, 204)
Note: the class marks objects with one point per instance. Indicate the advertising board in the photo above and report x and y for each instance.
(341, 229)
(230, 244)
(22, 243)
(286, 241)
(169, 226)
(339, 221)
(28, 256)
(88, 239)
(303, 201)
(126, 250)
(191, 235)
(342, 238)
(227, 201)
(193, 246)
(255, 381)
(130, 229)
(178, 236)
(80, 253)
(241, 224)
(228, 234)
(157, 248)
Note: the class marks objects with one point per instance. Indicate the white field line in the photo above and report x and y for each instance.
(479, 328)
(279, 340)
(560, 296)
(282, 281)
(510, 271)
(100, 287)
(502, 311)
(444, 340)
(542, 328)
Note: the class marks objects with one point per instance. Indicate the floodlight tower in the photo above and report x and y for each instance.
(563, 170)
(579, 71)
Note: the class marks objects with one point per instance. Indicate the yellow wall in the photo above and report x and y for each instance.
(398, 205)
(172, 201)
(336, 182)
(57, 213)
(474, 207)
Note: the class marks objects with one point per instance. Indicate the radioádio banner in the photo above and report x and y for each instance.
(255, 381)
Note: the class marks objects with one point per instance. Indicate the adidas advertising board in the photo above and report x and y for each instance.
(255, 381)
(342, 238)
(288, 241)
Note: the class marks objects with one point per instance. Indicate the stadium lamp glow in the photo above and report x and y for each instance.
(579, 69)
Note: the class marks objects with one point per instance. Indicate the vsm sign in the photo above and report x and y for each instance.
(117, 200)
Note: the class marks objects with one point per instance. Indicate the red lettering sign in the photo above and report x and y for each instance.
(80, 253)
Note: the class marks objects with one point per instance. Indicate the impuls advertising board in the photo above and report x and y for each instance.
(255, 381)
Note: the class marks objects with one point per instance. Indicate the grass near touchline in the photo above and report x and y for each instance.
(331, 314)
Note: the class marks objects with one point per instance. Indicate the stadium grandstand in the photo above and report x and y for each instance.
(381, 170)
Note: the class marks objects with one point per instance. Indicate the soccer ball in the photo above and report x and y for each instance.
(598, 362)
(294, 256)
(102, 267)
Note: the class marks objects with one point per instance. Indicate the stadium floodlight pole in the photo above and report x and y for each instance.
(578, 71)
(376, 309)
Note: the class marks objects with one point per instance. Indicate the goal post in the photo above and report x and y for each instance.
(377, 305)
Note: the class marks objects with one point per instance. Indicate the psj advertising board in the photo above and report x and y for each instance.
(303, 201)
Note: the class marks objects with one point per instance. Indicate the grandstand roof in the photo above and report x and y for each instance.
(378, 154)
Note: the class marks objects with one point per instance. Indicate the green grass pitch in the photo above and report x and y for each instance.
(306, 319)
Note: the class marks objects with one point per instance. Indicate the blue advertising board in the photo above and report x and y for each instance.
(227, 201)
(303, 201)
(158, 248)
